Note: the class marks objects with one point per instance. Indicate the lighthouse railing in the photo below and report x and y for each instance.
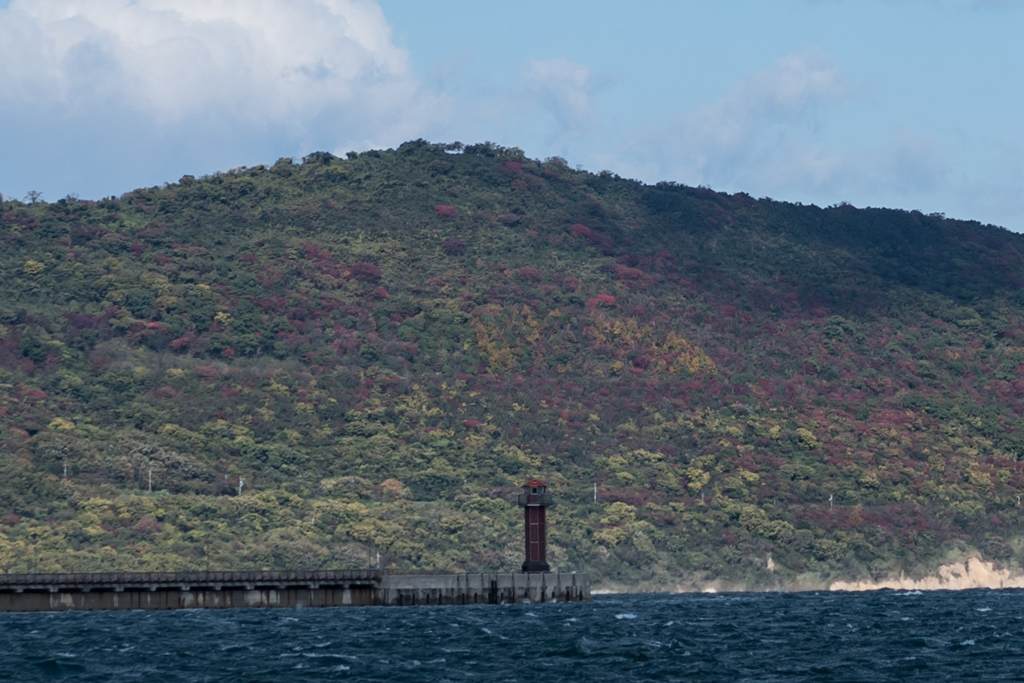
(531, 499)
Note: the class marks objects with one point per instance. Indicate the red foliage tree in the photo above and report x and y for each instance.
(601, 300)
(453, 247)
(512, 169)
(365, 272)
(528, 273)
(580, 230)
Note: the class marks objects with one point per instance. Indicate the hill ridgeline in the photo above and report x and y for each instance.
(342, 362)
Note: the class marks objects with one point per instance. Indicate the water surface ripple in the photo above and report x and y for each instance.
(882, 636)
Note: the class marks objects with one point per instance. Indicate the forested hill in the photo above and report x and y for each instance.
(383, 347)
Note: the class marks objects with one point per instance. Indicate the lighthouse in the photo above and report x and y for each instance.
(535, 501)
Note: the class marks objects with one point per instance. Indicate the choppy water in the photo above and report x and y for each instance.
(882, 636)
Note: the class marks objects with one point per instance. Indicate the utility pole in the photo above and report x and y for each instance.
(241, 483)
(151, 480)
(595, 491)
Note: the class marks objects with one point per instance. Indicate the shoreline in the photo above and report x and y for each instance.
(973, 573)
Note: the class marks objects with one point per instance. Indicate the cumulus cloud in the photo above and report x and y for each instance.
(783, 92)
(755, 137)
(174, 58)
(321, 73)
(565, 89)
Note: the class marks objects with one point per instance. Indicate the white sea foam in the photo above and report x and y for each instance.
(625, 615)
(982, 609)
(967, 642)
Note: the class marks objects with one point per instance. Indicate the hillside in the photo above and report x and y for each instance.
(384, 347)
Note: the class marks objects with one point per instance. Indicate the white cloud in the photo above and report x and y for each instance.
(754, 138)
(785, 91)
(565, 89)
(765, 138)
(751, 130)
(174, 58)
(314, 73)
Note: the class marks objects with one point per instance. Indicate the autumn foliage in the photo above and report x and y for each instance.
(841, 389)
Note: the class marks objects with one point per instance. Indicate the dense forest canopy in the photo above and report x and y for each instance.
(381, 349)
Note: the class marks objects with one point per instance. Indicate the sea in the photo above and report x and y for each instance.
(857, 637)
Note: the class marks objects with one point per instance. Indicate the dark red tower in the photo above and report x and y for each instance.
(535, 501)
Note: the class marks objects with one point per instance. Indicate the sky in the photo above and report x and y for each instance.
(912, 104)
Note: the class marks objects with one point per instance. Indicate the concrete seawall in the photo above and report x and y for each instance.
(224, 590)
(487, 589)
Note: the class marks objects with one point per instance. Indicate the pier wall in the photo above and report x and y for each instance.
(184, 599)
(487, 589)
(225, 590)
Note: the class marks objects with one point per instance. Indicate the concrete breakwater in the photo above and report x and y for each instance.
(221, 590)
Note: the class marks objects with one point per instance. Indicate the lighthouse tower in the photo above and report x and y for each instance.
(535, 501)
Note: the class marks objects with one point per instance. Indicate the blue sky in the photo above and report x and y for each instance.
(905, 103)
